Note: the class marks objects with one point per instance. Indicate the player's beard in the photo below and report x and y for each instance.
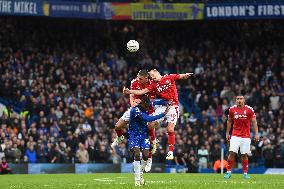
(240, 105)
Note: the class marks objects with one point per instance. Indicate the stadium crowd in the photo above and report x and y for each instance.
(66, 77)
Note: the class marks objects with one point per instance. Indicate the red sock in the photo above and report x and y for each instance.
(230, 165)
(119, 132)
(152, 134)
(245, 165)
(150, 154)
(171, 140)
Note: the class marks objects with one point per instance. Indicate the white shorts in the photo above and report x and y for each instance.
(237, 143)
(172, 115)
(126, 115)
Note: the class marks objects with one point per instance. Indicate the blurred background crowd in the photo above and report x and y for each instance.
(61, 83)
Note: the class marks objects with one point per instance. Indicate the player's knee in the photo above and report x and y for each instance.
(153, 124)
(171, 128)
(231, 155)
(119, 125)
(244, 156)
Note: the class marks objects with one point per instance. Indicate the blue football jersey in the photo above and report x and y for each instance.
(138, 127)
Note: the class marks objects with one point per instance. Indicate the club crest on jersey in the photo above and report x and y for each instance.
(240, 116)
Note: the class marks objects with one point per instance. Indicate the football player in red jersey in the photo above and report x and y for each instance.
(240, 115)
(165, 88)
(141, 82)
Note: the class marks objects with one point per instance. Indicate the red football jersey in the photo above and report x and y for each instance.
(241, 118)
(166, 88)
(136, 85)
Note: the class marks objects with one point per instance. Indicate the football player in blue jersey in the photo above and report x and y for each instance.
(138, 134)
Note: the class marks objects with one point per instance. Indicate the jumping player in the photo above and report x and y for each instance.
(165, 87)
(240, 115)
(141, 82)
(138, 135)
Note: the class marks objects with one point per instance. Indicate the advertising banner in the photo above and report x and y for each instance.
(167, 11)
(98, 168)
(75, 9)
(117, 11)
(50, 168)
(243, 11)
(24, 8)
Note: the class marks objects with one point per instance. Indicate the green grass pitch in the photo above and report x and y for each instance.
(124, 181)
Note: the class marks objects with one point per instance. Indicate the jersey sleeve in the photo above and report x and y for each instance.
(174, 76)
(159, 102)
(136, 112)
(230, 114)
(149, 118)
(133, 85)
(251, 113)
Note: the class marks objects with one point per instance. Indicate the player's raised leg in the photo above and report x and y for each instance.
(171, 141)
(119, 132)
(119, 126)
(152, 136)
(172, 118)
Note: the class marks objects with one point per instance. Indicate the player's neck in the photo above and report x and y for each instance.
(240, 106)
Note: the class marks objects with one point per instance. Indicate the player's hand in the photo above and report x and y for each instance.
(256, 138)
(126, 90)
(227, 136)
(187, 75)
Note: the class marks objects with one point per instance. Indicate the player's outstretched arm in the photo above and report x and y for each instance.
(185, 76)
(255, 128)
(135, 92)
(161, 102)
(149, 118)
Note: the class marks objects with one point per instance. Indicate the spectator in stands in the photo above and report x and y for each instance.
(179, 158)
(203, 156)
(123, 152)
(82, 154)
(31, 154)
(4, 167)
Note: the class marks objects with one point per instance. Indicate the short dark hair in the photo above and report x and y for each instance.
(145, 99)
(143, 73)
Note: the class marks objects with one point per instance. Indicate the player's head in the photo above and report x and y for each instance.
(240, 100)
(155, 75)
(145, 102)
(142, 76)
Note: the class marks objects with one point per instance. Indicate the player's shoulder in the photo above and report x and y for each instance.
(232, 107)
(249, 107)
(168, 75)
(134, 81)
(135, 109)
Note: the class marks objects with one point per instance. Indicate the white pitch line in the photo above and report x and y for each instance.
(104, 180)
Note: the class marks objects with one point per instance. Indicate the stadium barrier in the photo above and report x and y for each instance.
(48, 168)
(143, 11)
